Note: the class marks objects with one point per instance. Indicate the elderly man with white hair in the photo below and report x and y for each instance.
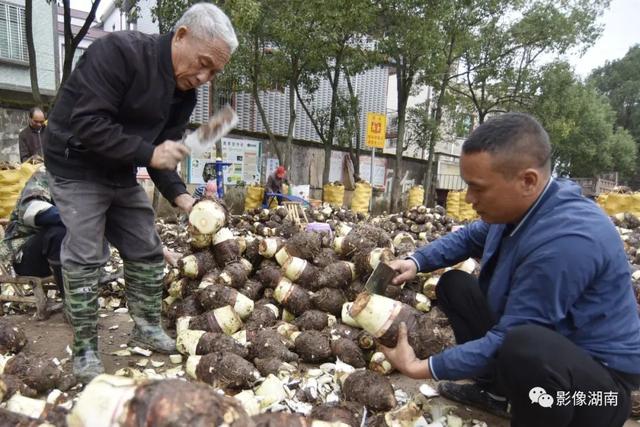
(125, 105)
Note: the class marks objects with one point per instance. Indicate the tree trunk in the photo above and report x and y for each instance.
(292, 121)
(71, 42)
(404, 78)
(33, 67)
(356, 122)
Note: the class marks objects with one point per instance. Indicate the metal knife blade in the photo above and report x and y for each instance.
(380, 279)
(204, 138)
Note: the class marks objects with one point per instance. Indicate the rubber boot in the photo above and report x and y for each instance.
(144, 298)
(81, 307)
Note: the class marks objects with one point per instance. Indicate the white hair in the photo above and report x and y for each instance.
(208, 21)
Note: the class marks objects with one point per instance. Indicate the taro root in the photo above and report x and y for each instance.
(370, 389)
(305, 245)
(414, 299)
(330, 300)
(326, 257)
(271, 365)
(235, 274)
(354, 289)
(11, 384)
(267, 343)
(294, 298)
(222, 370)
(301, 271)
(40, 374)
(404, 244)
(365, 340)
(269, 274)
(162, 403)
(188, 307)
(343, 331)
(252, 253)
(379, 363)
(251, 289)
(270, 246)
(348, 351)
(225, 247)
(366, 261)
(263, 316)
(12, 338)
(280, 419)
(223, 319)
(312, 320)
(194, 342)
(195, 266)
(345, 315)
(312, 346)
(208, 216)
(348, 413)
(218, 296)
(197, 240)
(337, 275)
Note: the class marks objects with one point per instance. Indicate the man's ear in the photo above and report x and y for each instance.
(529, 179)
(180, 33)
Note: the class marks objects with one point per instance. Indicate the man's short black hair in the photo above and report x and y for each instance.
(33, 110)
(518, 140)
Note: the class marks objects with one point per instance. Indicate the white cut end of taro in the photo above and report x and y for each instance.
(422, 236)
(222, 235)
(199, 240)
(207, 216)
(227, 319)
(287, 329)
(53, 397)
(282, 256)
(331, 320)
(283, 290)
(187, 341)
(192, 365)
(273, 308)
(346, 317)
(294, 267)
(423, 303)
(142, 363)
(175, 288)
(240, 337)
(352, 267)
(175, 358)
(190, 266)
(467, 266)
(226, 278)
(380, 364)
(104, 399)
(157, 363)
(268, 247)
(295, 335)
(141, 351)
(242, 244)
(271, 391)
(377, 255)
(243, 306)
(377, 315)
(249, 402)
(337, 244)
(182, 324)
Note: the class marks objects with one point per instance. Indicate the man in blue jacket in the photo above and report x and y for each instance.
(549, 330)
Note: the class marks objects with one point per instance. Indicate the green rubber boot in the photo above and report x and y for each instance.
(144, 299)
(81, 309)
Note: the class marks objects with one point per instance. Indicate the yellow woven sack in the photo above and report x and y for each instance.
(333, 194)
(616, 203)
(254, 197)
(416, 196)
(361, 197)
(9, 176)
(453, 204)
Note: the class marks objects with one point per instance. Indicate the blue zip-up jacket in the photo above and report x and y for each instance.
(563, 267)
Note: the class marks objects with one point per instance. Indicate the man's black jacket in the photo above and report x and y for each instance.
(118, 103)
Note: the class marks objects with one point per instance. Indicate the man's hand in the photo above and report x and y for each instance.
(406, 268)
(185, 202)
(167, 155)
(171, 257)
(403, 358)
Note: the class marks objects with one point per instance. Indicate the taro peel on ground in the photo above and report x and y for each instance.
(222, 370)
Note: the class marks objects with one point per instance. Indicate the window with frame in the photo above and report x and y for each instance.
(13, 39)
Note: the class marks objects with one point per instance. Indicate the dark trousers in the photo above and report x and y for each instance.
(535, 356)
(41, 255)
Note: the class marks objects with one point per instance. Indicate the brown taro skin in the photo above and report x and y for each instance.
(370, 389)
(313, 347)
(212, 342)
(225, 369)
(349, 352)
(170, 403)
(312, 320)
